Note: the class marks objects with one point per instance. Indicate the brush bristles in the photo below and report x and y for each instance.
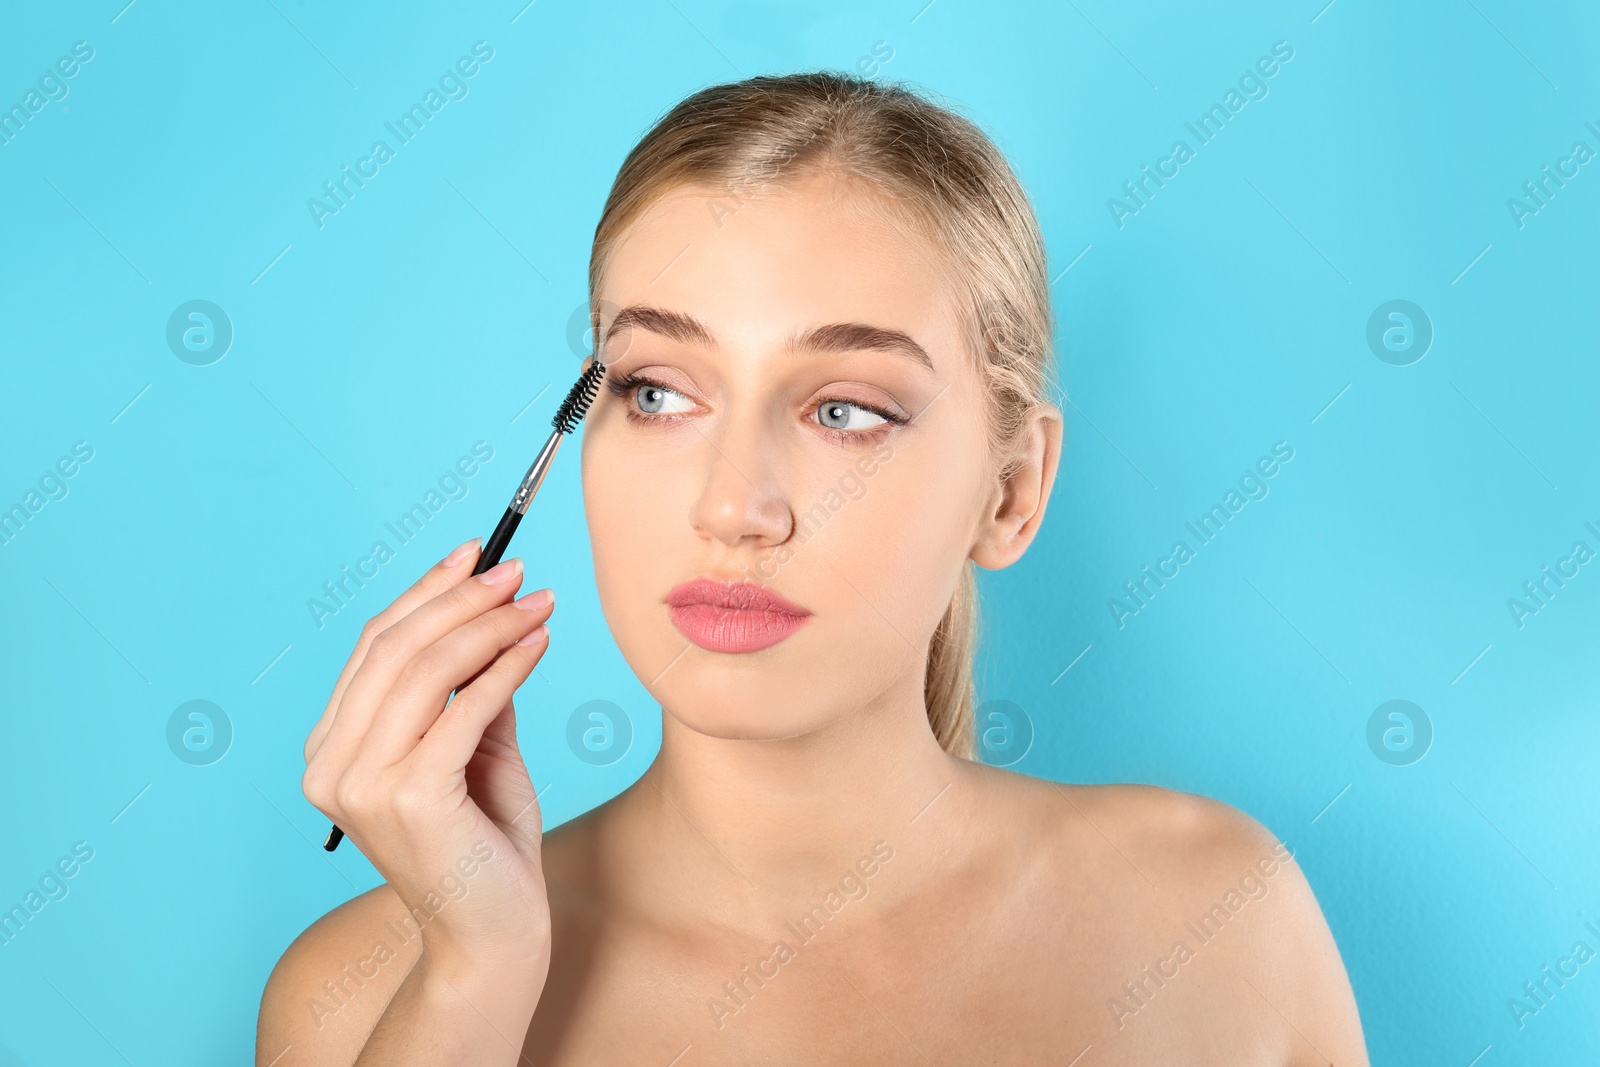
(576, 405)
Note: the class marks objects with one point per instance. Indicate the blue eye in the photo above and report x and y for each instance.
(646, 400)
(840, 410)
(656, 394)
(653, 399)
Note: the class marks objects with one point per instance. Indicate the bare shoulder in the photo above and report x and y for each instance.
(1178, 833)
(330, 987)
(1200, 856)
(332, 983)
(1213, 875)
(1184, 835)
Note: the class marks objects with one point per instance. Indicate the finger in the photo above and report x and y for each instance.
(425, 683)
(516, 809)
(454, 735)
(501, 733)
(451, 570)
(394, 647)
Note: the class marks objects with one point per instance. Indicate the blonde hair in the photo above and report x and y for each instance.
(934, 167)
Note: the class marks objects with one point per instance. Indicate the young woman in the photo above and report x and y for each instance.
(823, 307)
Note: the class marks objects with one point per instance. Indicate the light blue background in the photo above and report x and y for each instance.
(1228, 314)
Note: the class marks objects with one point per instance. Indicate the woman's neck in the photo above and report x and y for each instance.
(729, 830)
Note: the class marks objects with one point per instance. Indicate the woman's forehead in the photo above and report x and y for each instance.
(799, 268)
(820, 216)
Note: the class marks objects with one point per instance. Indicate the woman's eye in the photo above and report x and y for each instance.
(835, 415)
(652, 400)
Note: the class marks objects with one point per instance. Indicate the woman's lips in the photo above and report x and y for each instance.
(732, 616)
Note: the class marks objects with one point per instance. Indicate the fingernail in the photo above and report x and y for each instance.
(501, 572)
(536, 599)
(460, 553)
(539, 634)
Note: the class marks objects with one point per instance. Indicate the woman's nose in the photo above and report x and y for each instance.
(742, 499)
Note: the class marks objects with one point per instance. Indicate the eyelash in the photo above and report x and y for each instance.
(623, 388)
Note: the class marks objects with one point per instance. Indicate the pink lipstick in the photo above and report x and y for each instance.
(732, 616)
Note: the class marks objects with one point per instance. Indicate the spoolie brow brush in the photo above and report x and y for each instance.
(567, 417)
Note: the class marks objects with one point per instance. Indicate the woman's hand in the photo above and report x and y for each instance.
(436, 794)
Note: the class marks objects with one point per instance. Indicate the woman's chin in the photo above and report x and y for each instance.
(756, 712)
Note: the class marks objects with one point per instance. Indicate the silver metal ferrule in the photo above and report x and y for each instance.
(535, 475)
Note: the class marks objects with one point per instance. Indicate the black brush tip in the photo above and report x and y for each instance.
(576, 405)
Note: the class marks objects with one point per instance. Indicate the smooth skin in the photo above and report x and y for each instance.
(802, 875)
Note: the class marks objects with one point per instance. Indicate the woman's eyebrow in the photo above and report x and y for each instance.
(833, 337)
(671, 324)
(852, 336)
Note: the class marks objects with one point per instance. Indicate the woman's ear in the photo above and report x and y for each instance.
(1018, 502)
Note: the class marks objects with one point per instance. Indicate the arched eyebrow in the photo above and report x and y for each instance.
(833, 337)
(853, 336)
(671, 324)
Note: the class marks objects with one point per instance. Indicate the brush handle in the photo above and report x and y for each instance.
(495, 547)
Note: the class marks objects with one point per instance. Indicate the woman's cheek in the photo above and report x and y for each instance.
(926, 557)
